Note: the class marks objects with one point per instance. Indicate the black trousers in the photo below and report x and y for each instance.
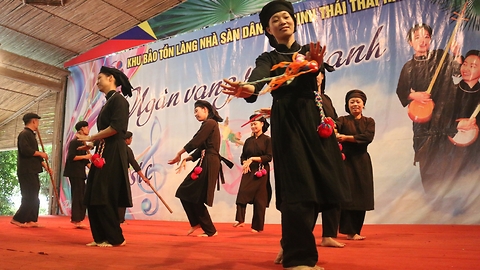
(298, 241)
(29, 188)
(121, 214)
(258, 218)
(77, 186)
(330, 222)
(104, 224)
(351, 221)
(197, 214)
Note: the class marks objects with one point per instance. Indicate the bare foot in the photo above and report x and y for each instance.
(193, 229)
(79, 225)
(206, 235)
(238, 224)
(17, 223)
(305, 267)
(279, 258)
(33, 224)
(122, 244)
(104, 244)
(254, 231)
(330, 242)
(355, 237)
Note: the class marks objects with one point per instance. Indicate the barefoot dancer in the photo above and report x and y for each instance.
(255, 186)
(108, 186)
(306, 165)
(356, 132)
(198, 188)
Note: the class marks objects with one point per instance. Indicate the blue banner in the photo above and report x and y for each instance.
(369, 46)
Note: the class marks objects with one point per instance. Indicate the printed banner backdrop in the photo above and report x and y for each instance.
(367, 44)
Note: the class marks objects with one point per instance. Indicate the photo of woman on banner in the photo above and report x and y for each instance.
(464, 127)
(430, 137)
(198, 188)
(309, 173)
(467, 100)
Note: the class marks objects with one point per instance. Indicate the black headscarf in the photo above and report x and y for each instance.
(269, 10)
(80, 125)
(212, 112)
(354, 94)
(120, 79)
(261, 119)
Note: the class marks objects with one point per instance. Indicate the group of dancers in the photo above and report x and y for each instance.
(310, 173)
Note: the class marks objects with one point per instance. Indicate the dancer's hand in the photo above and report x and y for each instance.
(265, 111)
(316, 53)
(86, 147)
(182, 166)
(237, 89)
(42, 155)
(176, 159)
(246, 166)
(84, 138)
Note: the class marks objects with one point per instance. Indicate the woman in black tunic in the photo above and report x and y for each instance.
(464, 160)
(198, 188)
(108, 187)
(356, 132)
(308, 169)
(255, 185)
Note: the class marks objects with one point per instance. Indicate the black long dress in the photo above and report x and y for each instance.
(108, 187)
(255, 190)
(251, 186)
(307, 167)
(202, 190)
(309, 174)
(358, 164)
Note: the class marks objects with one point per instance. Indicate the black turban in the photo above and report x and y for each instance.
(269, 10)
(120, 79)
(354, 94)
(80, 125)
(212, 112)
(261, 119)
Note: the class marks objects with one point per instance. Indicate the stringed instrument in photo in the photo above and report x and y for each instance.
(421, 111)
(466, 137)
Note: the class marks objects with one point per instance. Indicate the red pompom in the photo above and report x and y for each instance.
(198, 170)
(258, 174)
(264, 172)
(95, 156)
(98, 161)
(340, 146)
(324, 130)
(329, 121)
(343, 156)
(194, 176)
